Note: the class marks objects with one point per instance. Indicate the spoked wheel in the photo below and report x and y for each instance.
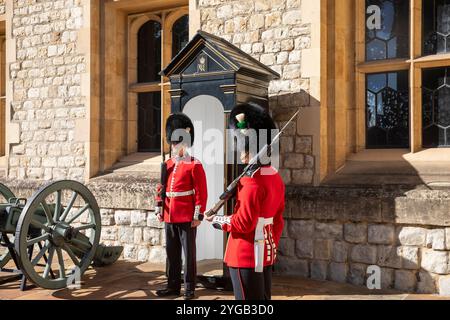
(5, 195)
(63, 220)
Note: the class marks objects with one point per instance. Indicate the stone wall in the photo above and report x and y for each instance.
(2, 6)
(273, 32)
(139, 231)
(47, 96)
(336, 234)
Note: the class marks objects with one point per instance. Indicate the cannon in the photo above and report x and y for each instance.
(54, 236)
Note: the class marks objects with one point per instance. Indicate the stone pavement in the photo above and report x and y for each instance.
(133, 280)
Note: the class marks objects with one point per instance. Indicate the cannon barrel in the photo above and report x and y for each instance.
(62, 221)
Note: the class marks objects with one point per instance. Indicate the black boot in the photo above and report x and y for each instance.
(189, 295)
(168, 292)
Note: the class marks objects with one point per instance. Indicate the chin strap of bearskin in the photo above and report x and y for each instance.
(219, 222)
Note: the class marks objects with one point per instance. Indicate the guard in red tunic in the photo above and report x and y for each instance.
(182, 210)
(257, 222)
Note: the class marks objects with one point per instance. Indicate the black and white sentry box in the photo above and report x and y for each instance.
(208, 77)
(210, 65)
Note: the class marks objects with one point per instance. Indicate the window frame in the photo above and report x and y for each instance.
(167, 19)
(414, 64)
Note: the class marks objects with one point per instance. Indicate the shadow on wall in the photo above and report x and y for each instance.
(373, 212)
(298, 149)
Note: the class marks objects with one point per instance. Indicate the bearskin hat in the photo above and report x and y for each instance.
(247, 116)
(175, 122)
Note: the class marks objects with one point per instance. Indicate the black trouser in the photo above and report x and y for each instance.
(181, 236)
(251, 285)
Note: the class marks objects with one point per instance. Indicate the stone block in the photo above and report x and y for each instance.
(126, 234)
(355, 232)
(302, 177)
(157, 255)
(137, 239)
(301, 229)
(129, 252)
(339, 251)
(405, 281)
(152, 236)
(412, 236)
(138, 218)
(328, 231)
(153, 222)
(293, 161)
(410, 257)
(364, 254)
(322, 249)
(304, 248)
(381, 234)
(292, 17)
(303, 145)
(286, 247)
(387, 278)
(319, 270)
(142, 254)
(436, 239)
(357, 274)
(292, 266)
(122, 217)
(109, 234)
(434, 261)
(426, 283)
(338, 272)
(389, 256)
(444, 286)
(447, 238)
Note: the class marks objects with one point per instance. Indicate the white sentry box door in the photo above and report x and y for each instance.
(207, 115)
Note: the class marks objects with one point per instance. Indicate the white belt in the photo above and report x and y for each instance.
(180, 194)
(259, 243)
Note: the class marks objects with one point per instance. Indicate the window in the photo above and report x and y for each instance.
(403, 74)
(149, 52)
(387, 35)
(155, 39)
(387, 110)
(436, 26)
(436, 107)
(149, 101)
(180, 34)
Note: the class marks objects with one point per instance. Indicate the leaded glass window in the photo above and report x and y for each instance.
(436, 107)
(149, 52)
(387, 110)
(436, 26)
(387, 29)
(180, 34)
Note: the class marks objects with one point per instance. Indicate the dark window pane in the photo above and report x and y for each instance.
(390, 39)
(180, 34)
(436, 26)
(436, 107)
(387, 110)
(149, 124)
(149, 52)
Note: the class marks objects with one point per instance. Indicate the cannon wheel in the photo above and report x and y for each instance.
(4, 254)
(57, 271)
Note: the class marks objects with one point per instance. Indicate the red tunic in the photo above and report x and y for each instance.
(184, 175)
(258, 196)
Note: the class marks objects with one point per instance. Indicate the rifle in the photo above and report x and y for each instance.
(163, 182)
(230, 190)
